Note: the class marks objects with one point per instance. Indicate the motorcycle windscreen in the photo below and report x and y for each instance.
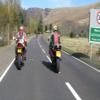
(19, 50)
(58, 54)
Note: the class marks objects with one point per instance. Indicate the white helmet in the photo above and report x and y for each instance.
(55, 28)
(21, 28)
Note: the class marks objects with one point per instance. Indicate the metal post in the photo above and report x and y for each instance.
(91, 52)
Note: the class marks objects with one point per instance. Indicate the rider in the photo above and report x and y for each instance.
(53, 40)
(22, 35)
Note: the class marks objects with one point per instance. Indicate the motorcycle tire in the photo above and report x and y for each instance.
(19, 61)
(57, 65)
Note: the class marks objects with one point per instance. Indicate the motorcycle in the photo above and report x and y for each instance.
(56, 57)
(20, 54)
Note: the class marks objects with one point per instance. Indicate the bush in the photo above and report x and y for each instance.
(71, 35)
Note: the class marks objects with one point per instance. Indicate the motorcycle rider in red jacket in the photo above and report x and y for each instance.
(21, 37)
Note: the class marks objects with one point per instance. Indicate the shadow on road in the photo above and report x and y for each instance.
(79, 55)
(16, 65)
(49, 66)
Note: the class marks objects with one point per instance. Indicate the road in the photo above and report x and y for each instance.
(38, 80)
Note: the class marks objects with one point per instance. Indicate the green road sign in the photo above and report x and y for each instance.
(95, 35)
(94, 30)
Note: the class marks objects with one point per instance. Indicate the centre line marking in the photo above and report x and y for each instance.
(77, 97)
(49, 59)
(44, 51)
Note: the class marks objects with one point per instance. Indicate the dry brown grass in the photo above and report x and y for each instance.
(80, 45)
(76, 44)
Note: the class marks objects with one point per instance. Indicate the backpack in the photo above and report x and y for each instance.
(56, 38)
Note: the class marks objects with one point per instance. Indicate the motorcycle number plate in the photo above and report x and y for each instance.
(58, 53)
(19, 50)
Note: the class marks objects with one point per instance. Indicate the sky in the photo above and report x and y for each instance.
(55, 3)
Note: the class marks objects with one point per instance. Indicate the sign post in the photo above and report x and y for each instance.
(91, 51)
(94, 30)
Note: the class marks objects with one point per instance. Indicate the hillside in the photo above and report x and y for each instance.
(71, 20)
(79, 15)
(59, 15)
(35, 13)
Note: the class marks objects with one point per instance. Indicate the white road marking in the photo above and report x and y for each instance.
(65, 52)
(49, 58)
(3, 75)
(77, 97)
(97, 70)
(44, 51)
(84, 62)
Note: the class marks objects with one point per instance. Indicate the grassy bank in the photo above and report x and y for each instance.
(76, 44)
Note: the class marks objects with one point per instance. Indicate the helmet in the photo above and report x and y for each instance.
(55, 28)
(21, 28)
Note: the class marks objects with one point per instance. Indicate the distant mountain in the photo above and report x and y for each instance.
(37, 12)
(34, 13)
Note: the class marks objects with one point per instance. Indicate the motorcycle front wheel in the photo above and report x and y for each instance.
(19, 61)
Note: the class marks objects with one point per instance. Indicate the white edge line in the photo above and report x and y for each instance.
(3, 75)
(7, 69)
(86, 64)
(77, 97)
(65, 52)
(83, 62)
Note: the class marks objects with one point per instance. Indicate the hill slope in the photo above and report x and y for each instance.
(71, 20)
(80, 14)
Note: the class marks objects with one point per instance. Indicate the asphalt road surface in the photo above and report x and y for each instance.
(38, 80)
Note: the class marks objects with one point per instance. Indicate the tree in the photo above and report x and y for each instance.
(10, 16)
(40, 26)
(50, 27)
(46, 28)
(71, 35)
